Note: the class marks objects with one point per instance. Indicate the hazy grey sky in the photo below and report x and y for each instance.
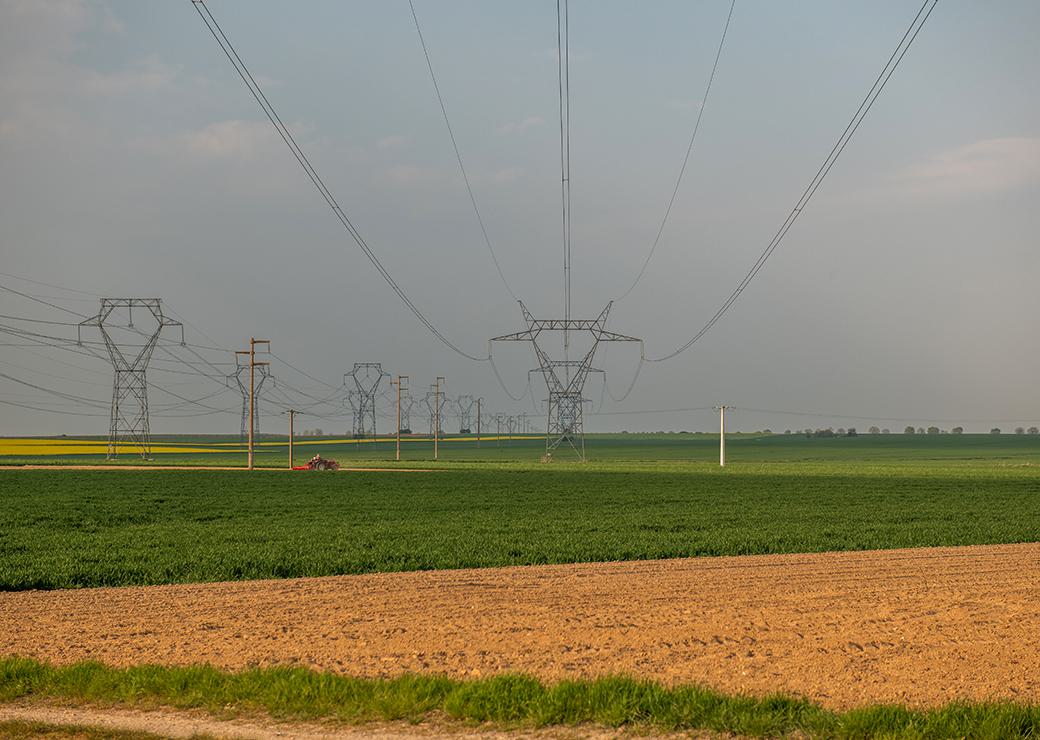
(135, 162)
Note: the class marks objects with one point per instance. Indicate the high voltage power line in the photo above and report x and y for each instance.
(458, 155)
(40, 300)
(48, 340)
(93, 296)
(183, 401)
(839, 146)
(38, 321)
(85, 348)
(686, 159)
(563, 51)
(236, 61)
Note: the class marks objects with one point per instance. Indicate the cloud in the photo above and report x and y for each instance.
(990, 165)
(147, 75)
(392, 142)
(229, 139)
(519, 127)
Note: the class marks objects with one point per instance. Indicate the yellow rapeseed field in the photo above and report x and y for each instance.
(58, 447)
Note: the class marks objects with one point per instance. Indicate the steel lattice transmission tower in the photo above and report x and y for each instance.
(128, 422)
(565, 379)
(464, 412)
(262, 374)
(367, 377)
(407, 404)
(436, 415)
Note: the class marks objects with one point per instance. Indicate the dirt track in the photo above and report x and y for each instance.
(915, 626)
(169, 723)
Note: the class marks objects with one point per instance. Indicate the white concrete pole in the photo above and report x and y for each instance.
(722, 436)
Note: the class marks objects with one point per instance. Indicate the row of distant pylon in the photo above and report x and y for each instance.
(368, 378)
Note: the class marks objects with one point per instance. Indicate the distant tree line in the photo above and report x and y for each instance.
(851, 431)
(829, 432)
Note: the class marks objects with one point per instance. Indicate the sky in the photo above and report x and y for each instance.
(135, 163)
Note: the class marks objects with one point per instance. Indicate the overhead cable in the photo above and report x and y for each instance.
(52, 285)
(40, 300)
(243, 72)
(505, 388)
(39, 321)
(458, 155)
(63, 412)
(686, 159)
(631, 385)
(864, 108)
(303, 372)
(563, 52)
(67, 396)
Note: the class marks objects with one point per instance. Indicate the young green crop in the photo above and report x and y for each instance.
(67, 529)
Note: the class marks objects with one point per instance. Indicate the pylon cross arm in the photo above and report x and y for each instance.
(612, 336)
(520, 336)
(565, 393)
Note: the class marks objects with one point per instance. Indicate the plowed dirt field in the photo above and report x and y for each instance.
(920, 627)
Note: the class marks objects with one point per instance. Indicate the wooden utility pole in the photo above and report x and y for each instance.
(292, 415)
(253, 341)
(398, 384)
(722, 434)
(478, 421)
(437, 417)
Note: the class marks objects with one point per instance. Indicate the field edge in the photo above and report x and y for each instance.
(504, 701)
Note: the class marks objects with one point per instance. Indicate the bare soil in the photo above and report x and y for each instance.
(918, 627)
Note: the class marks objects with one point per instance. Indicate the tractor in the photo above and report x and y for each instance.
(318, 463)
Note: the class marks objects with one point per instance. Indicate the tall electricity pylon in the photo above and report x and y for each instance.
(435, 402)
(499, 420)
(367, 376)
(242, 383)
(464, 412)
(128, 421)
(407, 404)
(565, 379)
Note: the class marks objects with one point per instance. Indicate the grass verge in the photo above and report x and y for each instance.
(505, 701)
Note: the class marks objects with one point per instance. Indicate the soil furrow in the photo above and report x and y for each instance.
(921, 627)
